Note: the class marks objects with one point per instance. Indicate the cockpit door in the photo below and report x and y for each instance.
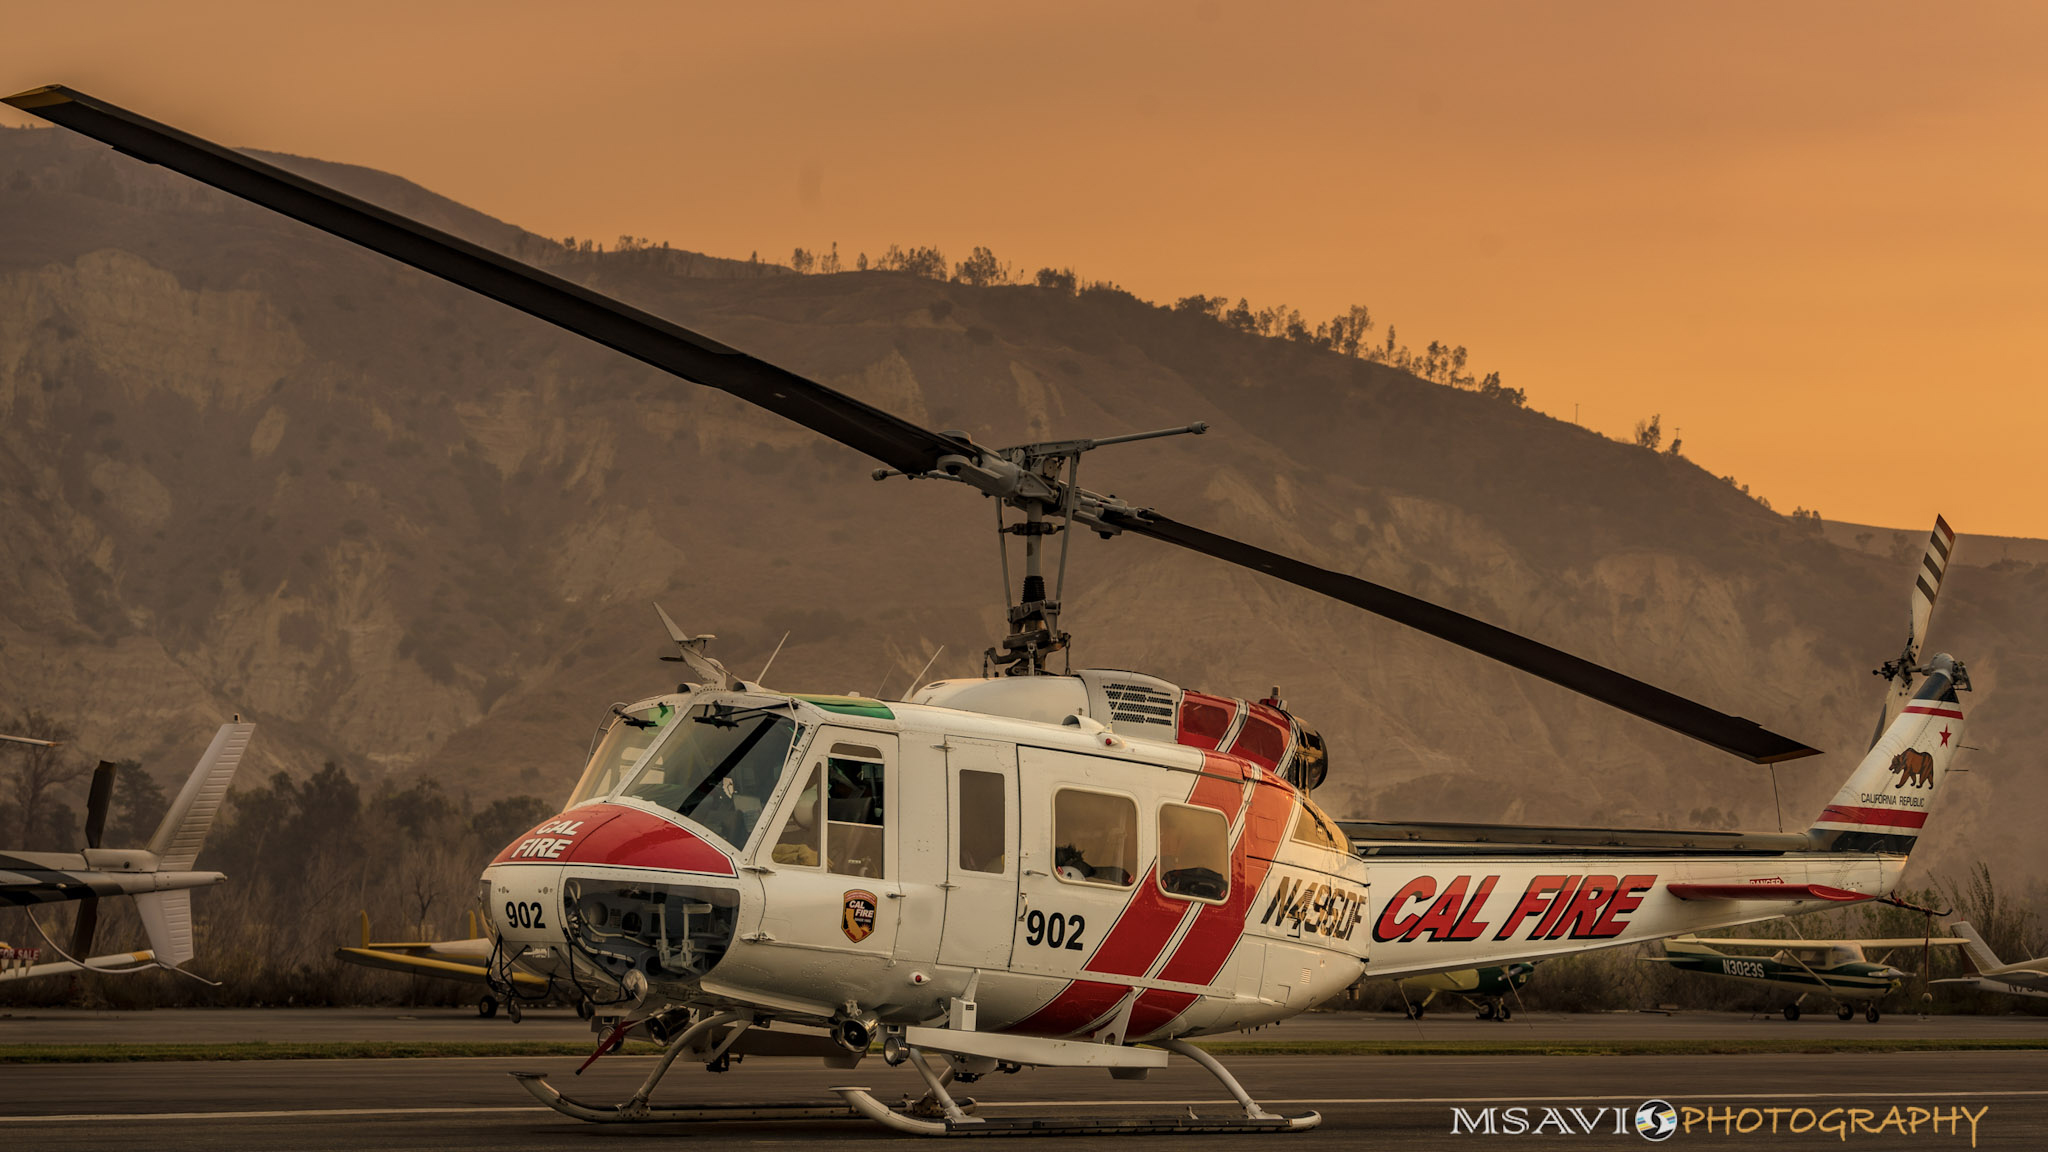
(981, 853)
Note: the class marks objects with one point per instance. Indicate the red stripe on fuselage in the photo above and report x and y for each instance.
(1156, 1008)
(1888, 817)
(1218, 927)
(1078, 1005)
(1149, 920)
(1924, 710)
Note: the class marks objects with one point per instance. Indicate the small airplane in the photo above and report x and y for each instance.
(1035, 868)
(159, 877)
(2026, 978)
(1484, 990)
(1840, 970)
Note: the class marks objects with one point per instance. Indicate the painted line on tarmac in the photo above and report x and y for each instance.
(272, 1114)
(317, 1113)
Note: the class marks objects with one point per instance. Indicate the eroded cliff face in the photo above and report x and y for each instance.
(245, 468)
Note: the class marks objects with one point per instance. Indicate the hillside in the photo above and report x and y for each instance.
(247, 468)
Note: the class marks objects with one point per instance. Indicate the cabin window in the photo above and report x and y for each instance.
(853, 811)
(802, 832)
(984, 822)
(1312, 827)
(1095, 838)
(718, 767)
(1194, 852)
(625, 744)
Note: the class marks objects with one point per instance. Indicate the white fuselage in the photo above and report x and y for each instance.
(1069, 881)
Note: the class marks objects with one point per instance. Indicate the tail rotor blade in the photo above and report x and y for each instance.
(1731, 734)
(85, 927)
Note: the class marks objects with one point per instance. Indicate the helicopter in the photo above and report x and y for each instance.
(159, 877)
(1078, 869)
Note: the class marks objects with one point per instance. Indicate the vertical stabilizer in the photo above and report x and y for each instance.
(1981, 956)
(1941, 544)
(167, 918)
(178, 839)
(1887, 800)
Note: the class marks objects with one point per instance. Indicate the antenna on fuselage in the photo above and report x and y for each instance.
(763, 677)
(919, 678)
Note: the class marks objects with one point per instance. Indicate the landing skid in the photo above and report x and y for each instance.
(645, 1113)
(936, 1113)
(952, 1120)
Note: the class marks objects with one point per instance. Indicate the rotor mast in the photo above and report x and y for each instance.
(1042, 481)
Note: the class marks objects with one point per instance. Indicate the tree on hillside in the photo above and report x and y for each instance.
(981, 269)
(1210, 306)
(828, 264)
(38, 772)
(927, 262)
(1057, 279)
(139, 806)
(1650, 433)
(802, 262)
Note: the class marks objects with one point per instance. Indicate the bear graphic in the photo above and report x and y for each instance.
(1914, 767)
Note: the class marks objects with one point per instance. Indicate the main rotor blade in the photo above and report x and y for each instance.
(1733, 734)
(641, 335)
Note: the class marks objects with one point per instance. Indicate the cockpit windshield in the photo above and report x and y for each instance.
(718, 767)
(627, 740)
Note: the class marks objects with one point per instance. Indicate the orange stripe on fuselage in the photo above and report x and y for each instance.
(1149, 921)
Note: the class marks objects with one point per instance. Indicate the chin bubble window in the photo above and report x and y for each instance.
(1194, 852)
(1095, 838)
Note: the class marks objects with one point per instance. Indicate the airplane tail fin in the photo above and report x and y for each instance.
(1886, 801)
(167, 918)
(178, 839)
(1981, 956)
(1898, 673)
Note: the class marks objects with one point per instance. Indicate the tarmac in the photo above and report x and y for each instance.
(1379, 1102)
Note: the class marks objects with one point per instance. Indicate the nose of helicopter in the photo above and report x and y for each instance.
(623, 889)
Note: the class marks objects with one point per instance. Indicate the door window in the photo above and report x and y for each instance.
(984, 823)
(853, 811)
(1194, 852)
(1095, 838)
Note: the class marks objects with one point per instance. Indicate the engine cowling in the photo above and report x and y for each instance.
(1134, 704)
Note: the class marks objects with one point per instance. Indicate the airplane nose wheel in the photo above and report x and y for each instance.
(1870, 1013)
(1791, 1011)
(1844, 1012)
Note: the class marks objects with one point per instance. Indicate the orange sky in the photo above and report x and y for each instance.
(1813, 236)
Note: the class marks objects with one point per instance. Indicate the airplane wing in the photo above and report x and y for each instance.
(429, 966)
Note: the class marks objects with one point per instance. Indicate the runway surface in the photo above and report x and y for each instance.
(1367, 1102)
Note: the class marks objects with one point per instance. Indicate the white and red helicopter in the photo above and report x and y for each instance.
(1033, 869)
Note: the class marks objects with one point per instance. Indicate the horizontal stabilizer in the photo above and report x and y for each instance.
(1686, 891)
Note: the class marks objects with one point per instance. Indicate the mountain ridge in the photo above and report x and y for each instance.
(250, 468)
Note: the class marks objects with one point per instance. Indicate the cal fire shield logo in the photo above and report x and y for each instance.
(858, 921)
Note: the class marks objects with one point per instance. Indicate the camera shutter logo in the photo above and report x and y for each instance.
(1656, 1120)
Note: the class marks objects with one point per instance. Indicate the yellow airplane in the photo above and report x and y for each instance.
(468, 959)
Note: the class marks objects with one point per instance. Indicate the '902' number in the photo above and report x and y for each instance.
(1058, 930)
(525, 914)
